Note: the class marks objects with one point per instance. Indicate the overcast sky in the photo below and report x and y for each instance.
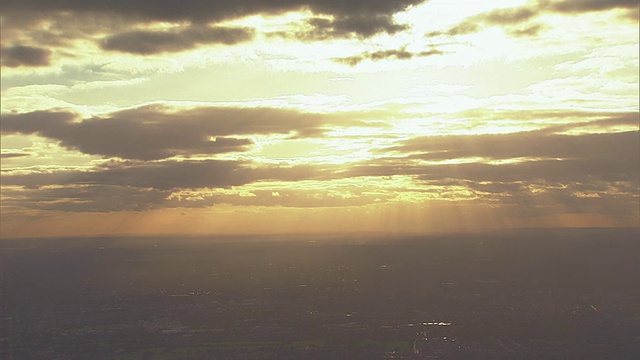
(318, 116)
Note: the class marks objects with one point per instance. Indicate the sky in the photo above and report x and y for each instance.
(317, 116)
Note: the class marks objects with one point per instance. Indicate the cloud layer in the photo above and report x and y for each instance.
(208, 11)
(159, 132)
(154, 42)
(123, 26)
(545, 171)
(517, 20)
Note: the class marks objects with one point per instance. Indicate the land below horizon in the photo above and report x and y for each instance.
(559, 293)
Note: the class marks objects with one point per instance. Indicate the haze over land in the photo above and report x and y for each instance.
(316, 116)
(552, 294)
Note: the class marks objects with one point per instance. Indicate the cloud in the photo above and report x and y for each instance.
(499, 17)
(360, 25)
(19, 55)
(526, 31)
(541, 187)
(159, 132)
(154, 42)
(152, 175)
(13, 155)
(553, 153)
(167, 175)
(108, 198)
(533, 144)
(529, 188)
(207, 11)
(508, 16)
(552, 170)
(363, 18)
(558, 169)
(302, 198)
(582, 174)
(581, 6)
(88, 198)
(400, 54)
(511, 17)
(563, 118)
(442, 174)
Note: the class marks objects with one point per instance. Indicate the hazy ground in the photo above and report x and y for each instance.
(571, 294)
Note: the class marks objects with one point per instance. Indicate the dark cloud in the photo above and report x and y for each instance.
(153, 42)
(508, 16)
(125, 138)
(593, 172)
(167, 175)
(500, 17)
(361, 17)
(544, 199)
(400, 54)
(13, 155)
(107, 198)
(533, 144)
(581, 6)
(633, 15)
(19, 55)
(540, 186)
(511, 17)
(552, 202)
(158, 132)
(139, 186)
(545, 171)
(360, 25)
(550, 171)
(87, 198)
(535, 187)
(34, 122)
(526, 31)
(565, 119)
(205, 11)
(583, 173)
(548, 158)
(466, 27)
(558, 171)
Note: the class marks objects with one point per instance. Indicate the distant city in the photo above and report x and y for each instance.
(556, 294)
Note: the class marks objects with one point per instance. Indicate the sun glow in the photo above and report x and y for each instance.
(447, 116)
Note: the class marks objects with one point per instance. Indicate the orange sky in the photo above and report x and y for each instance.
(316, 116)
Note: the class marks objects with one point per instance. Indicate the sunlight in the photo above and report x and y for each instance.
(345, 110)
